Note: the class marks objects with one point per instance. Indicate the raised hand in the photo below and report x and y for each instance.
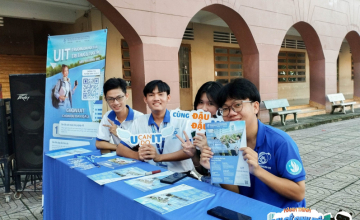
(251, 157)
(200, 141)
(205, 156)
(112, 127)
(187, 146)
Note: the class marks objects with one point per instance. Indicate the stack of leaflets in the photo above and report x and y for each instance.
(116, 175)
(174, 198)
(227, 164)
(117, 162)
(151, 182)
(66, 153)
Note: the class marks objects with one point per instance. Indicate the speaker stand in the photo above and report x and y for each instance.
(6, 167)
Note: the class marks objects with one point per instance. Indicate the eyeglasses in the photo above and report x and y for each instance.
(236, 107)
(112, 100)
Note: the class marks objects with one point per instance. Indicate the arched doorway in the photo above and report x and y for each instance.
(217, 46)
(301, 67)
(133, 46)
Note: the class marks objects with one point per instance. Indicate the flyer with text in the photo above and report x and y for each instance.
(227, 165)
(174, 198)
(75, 70)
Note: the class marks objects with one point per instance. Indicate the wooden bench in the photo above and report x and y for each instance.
(279, 103)
(337, 101)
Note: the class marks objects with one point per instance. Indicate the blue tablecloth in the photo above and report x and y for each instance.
(70, 194)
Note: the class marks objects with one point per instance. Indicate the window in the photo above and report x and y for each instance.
(184, 66)
(291, 67)
(228, 64)
(126, 62)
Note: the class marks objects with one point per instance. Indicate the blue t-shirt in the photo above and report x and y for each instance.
(279, 155)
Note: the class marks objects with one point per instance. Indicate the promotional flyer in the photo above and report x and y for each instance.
(75, 70)
(227, 165)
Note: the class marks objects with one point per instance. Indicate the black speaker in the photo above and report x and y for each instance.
(27, 106)
(6, 148)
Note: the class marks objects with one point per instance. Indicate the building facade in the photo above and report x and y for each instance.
(300, 50)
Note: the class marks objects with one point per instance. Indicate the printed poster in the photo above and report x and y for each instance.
(75, 69)
(228, 165)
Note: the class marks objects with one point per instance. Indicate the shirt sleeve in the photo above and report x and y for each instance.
(103, 132)
(289, 163)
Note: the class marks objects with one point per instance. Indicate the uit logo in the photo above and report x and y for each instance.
(147, 138)
(142, 139)
(23, 97)
(307, 214)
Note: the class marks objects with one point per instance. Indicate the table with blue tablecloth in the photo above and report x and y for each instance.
(70, 194)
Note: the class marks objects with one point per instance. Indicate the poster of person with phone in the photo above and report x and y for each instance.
(63, 90)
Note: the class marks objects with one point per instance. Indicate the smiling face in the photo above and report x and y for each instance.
(156, 100)
(207, 105)
(247, 113)
(116, 99)
(65, 71)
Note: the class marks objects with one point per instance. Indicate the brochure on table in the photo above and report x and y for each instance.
(65, 153)
(174, 198)
(227, 165)
(117, 162)
(151, 182)
(116, 175)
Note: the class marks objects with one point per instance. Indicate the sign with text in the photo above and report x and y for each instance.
(197, 118)
(75, 71)
(148, 138)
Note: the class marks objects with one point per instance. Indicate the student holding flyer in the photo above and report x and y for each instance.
(120, 115)
(169, 153)
(279, 177)
(205, 99)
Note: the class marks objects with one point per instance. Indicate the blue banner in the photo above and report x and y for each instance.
(75, 70)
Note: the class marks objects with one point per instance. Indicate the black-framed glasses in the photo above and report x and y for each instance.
(112, 100)
(236, 107)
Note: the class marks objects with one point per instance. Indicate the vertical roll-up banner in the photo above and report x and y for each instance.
(75, 70)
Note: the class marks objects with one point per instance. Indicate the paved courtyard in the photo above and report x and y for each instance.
(330, 153)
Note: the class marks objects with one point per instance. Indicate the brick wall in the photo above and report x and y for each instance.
(19, 64)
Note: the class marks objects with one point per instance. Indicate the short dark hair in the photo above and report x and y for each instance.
(240, 88)
(114, 83)
(162, 87)
(63, 66)
(211, 89)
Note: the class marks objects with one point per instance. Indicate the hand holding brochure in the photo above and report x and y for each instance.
(227, 165)
(116, 175)
(174, 198)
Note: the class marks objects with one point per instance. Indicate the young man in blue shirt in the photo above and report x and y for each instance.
(169, 153)
(277, 173)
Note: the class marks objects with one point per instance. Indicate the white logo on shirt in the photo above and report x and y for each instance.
(264, 158)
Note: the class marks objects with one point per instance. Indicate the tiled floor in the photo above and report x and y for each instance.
(330, 153)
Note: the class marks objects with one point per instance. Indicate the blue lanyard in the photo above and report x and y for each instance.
(90, 158)
(163, 139)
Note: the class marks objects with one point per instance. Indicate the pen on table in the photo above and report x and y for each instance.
(152, 172)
